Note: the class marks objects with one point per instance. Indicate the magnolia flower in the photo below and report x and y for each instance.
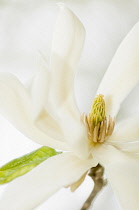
(50, 117)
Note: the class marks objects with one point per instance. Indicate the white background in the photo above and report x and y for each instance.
(25, 27)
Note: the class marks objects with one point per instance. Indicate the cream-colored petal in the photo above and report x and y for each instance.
(39, 91)
(77, 184)
(68, 40)
(67, 45)
(122, 171)
(47, 124)
(15, 105)
(123, 73)
(39, 96)
(35, 187)
(126, 135)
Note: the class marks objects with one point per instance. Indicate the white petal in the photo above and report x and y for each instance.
(68, 40)
(47, 124)
(122, 171)
(39, 95)
(39, 90)
(15, 105)
(123, 73)
(126, 135)
(35, 187)
(66, 50)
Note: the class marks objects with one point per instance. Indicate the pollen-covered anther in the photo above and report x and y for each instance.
(98, 126)
(100, 132)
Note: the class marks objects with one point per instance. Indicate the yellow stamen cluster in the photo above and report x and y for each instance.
(98, 126)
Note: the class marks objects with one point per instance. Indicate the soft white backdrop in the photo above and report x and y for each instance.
(25, 28)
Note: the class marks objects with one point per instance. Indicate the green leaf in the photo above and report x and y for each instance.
(24, 164)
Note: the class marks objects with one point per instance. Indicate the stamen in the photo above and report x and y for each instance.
(100, 132)
(99, 128)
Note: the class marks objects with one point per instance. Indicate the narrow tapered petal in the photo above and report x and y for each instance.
(67, 46)
(39, 96)
(68, 40)
(122, 170)
(47, 124)
(39, 91)
(15, 105)
(123, 73)
(32, 189)
(126, 135)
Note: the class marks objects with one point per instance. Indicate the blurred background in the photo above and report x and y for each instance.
(26, 28)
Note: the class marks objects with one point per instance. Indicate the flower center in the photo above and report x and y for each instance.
(98, 126)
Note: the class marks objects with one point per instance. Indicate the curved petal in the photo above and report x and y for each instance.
(123, 73)
(122, 171)
(39, 94)
(47, 124)
(39, 89)
(15, 105)
(68, 40)
(126, 135)
(32, 189)
(67, 45)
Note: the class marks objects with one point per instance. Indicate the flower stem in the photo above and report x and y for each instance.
(96, 173)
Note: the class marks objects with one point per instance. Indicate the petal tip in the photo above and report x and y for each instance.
(64, 9)
(61, 5)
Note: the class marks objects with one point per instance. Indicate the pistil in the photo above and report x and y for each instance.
(98, 126)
